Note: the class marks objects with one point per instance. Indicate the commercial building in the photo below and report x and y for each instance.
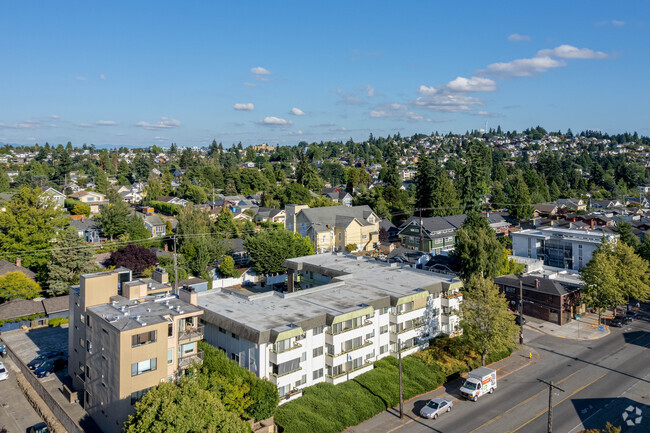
(332, 228)
(559, 248)
(340, 314)
(125, 337)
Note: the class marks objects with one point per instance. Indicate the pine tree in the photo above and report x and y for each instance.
(554, 191)
(486, 322)
(626, 234)
(424, 182)
(520, 207)
(445, 199)
(71, 257)
(101, 181)
(113, 219)
(478, 249)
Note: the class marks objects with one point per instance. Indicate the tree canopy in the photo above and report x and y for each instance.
(70, 258)
(134, 257)
(15, 285)
(478, 249)
(270, 248)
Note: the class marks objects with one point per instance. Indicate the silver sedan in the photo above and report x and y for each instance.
(435, 407)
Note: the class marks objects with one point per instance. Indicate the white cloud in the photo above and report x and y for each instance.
(516, 37)
(249, 106)
(106, 123)
(523, 67)
(427, 90)
(165, 123)
(247, 84)
(394, 111)
(485, 114)
(370, 91)
(79, 78)
(84, 125)
(258, 70)
(347, 97)
(618, 23)
(398, 107)
(53, 116)
(468, 85)
(102, 77)
(275, 121)
(571, 52)
(449, 103)
(297, 112)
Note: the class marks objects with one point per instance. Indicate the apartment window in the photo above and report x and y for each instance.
(286, 367)
(351, 344)
(385, 310)
(170, 328)
(81, 366)
(340, 236)
(318, 330)
(324, 238)
(104, 331)
(143, 338)
(318, 352)
(356, 363)
(235, 357)
(370, 355)
(302, 381)
(317, 374)
(282, 345)
(89, 399)
(364, 236)
(88, 375)
(329, 348)
(223, 331)
(370, 335)
(137, 395)
(383, 349)
(142, 367)
(283, 390)
(188, 348)
(82, 318)
(235, 336)
(170, 356)
(81, 342)
(89, 346)
(88, 320)
(303, 357)
(383, 329)
(337, 370)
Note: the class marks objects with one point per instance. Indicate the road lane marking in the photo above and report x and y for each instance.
(557, 404)
(523, 402)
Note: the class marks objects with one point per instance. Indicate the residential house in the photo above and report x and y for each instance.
(57, 197)
(332, 228)
(126, 337)
(606, 204)
(415, 259)
(154, 224)
(30, 314)
(340, 316)
(575, 204)
(338, 195)
(174, 200)
(88, 229)
(554, 300)
(6, 267)
(545, 209)
(265, 214)
(94, 200)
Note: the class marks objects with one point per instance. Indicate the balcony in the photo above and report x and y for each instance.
(365, 323)
(188, 358)
(349, 374)
(365, 344)
(294, 393)
(280, 356)
(191, 334)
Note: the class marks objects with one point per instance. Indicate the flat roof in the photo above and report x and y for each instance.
(355, 284)
(591, 236)
(125, 314)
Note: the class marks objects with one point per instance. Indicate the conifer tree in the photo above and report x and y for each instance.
(71, 257)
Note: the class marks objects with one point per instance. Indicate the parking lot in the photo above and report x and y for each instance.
(16, 414)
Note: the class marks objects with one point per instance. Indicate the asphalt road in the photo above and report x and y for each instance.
(16, 414)
(603, 380)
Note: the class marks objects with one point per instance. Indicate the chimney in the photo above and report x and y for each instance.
(537, 283)
(591, 223)
(19, 262)
(189, 295)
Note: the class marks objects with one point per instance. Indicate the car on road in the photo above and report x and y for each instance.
(518, 320)
(41, 427)
(435, 407)
(40, 359)
(617, 322)
(4, 373)
(632, 315)
(50, 366)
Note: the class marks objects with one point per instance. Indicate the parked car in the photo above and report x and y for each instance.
(631, 314)
(435, 407)
(518, 320)
(617, 322)
(3, 350)
(40, 359)
(41, 427)
(51, 366)
(4, 373)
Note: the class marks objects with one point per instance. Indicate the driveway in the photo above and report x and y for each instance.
(16, 414)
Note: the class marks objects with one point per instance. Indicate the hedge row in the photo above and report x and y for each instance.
(166, 208)
(327, 408)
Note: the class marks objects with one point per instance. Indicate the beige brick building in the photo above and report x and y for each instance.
(125, 337)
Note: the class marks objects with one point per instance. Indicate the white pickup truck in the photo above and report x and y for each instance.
(480, 381)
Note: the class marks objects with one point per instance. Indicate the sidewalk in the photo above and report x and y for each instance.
(585, 328)
(389, 420)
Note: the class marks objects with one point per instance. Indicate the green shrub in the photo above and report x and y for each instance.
(166, 208)
(58, 321)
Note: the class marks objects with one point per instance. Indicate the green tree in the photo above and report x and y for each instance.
(224, 225)
(15, 285)
(509, 266)
(5, 181)
(601, 288)
(183, 408)
(554, 191)
(424, 181)
(631, 272)
(269, 249)
(520, 207)
(136, 228)
(486, 322)
(30, 223)
(227, 267)
(444, 200)
(101, 181)
(196, 194)
(154, 189)
(627, 235)
(142, 166)
(198, 245)
(80, 209)
(114, 219)
(70, 258)
(478, 249)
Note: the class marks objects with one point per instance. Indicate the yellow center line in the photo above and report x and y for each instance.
(523, 402)
(558, 403)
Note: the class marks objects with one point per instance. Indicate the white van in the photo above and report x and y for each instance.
(480, 381)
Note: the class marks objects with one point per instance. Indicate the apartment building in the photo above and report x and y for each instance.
(125, 337)
(559, 248)
(332, 228)
(339, 316)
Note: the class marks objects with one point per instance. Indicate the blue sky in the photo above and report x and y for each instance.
(143, 73)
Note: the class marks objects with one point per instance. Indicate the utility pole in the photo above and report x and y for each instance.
(175, 269)
(550, 402)
(421, 237)
(521, 311)
(401, 394)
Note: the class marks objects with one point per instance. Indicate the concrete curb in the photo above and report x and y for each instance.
(604, 334)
